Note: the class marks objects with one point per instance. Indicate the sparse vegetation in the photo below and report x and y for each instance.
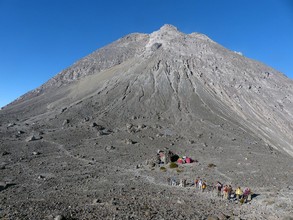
(211, 165)
(163, 169)
(173, 165)
(179, 170)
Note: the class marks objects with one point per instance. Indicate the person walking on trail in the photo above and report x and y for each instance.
(246, 193)
(204, 186)
(249, 195)
(225, 192)
(196, 182)
(238, 193)
(199, 184)
(219, 188)
(229, 191)
(182, 183)
(173, 181)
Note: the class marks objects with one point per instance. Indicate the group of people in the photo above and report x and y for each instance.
(223, 191)
(227, 192)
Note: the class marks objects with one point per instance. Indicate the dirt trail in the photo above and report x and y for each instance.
(67, 153)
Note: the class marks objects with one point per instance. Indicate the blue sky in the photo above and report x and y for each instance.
(39, 38)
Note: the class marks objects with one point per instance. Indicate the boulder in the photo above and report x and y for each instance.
(35, 153)
(98, 127)
(65, 122)
(5, 153)
(129, 126)
(59, 217)
(10, 125)
(129, 141)
(33, 138)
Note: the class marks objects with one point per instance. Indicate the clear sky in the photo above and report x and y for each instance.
(39, 38)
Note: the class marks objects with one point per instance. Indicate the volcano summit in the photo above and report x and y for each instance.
(80, 145)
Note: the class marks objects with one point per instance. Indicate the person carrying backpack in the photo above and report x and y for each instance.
(219, 188)
(238, 193)
(249, 197)
(246, 193)
(225, 192)
(230, 190)
(196, 182)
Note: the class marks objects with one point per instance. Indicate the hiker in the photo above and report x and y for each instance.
(182, 183)
(225, 192)
(169, 181)
(172, 181)
(161, 156)
(246, 193)
(196, 182)
(249, 198)
(204, 186)
(199, 184)
(230, 190)
(238, 193)
(158, 159)
(168, 156)
(219, 188)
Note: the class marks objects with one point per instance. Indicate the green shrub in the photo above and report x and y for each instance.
(163, 169)
(173, 165)
(211, 165)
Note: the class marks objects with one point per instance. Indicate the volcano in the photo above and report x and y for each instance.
(79, 146)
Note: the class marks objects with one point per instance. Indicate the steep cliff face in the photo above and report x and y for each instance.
(186, 81)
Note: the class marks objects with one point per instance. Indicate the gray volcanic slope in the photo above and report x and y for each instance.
(149, 91)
